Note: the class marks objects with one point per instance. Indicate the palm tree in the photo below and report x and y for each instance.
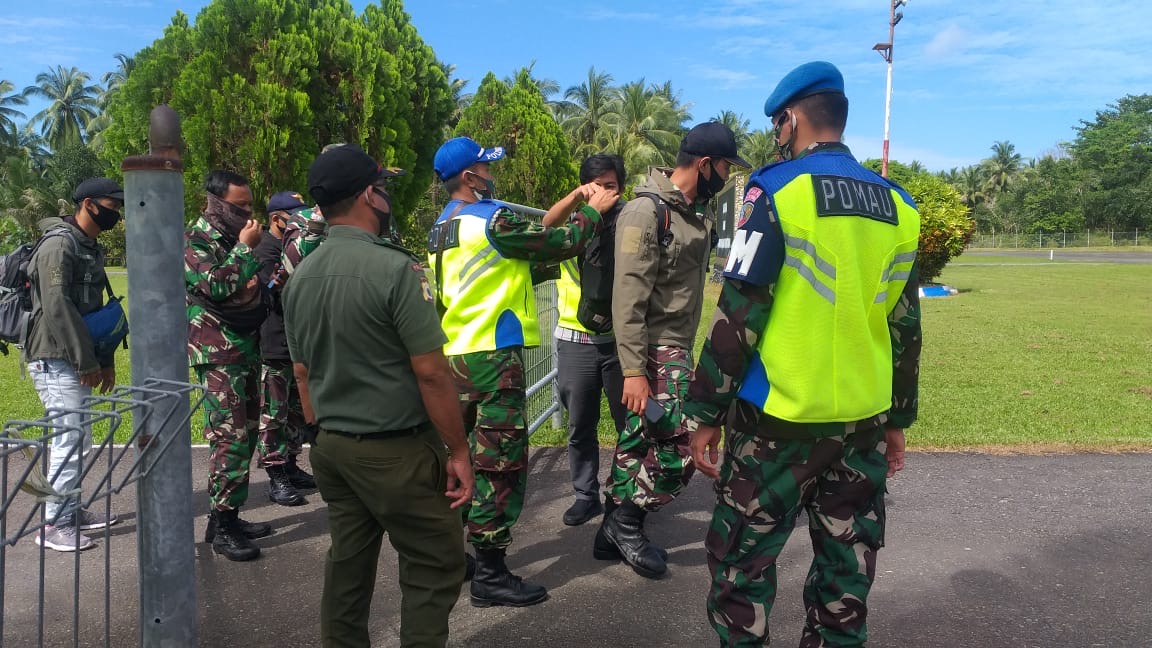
(460, 99)
(736, 123)
(760, 148)
(917, 167)
(645, 127)
(73, 102)
(587, 105)
(546, 87)
(1002, 167)
(971, 185)
(8, 114)
(116, 78)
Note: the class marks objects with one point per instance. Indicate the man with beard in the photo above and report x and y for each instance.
(663, 240)
(225, 310)
(68, 282)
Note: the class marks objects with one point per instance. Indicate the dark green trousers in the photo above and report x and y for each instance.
(394, 486)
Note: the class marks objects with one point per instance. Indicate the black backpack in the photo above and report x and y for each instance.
(599, 264)
(15, 295)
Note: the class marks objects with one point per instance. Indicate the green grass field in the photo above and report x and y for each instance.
(1029, 358)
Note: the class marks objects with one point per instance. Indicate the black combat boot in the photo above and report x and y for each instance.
(602, 549)
(624, 528)
(493, 584)
(251, 530)
(280, 489)
(229, 540)
(298, 476)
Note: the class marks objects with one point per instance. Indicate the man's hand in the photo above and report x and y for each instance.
(602, 200)
(461, 481)
(107, 379)
(894, 453)
(706, 450)
(91, 379)
(636, 393)
(251, 234)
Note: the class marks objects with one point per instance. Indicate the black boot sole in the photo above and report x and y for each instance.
(487, 603)
(292, 501)
(602, 549)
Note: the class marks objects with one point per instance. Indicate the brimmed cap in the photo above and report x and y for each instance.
(97, 188)
(817, 77)
(714, 140)
(286, 201)
(342, 172)
(459, 153)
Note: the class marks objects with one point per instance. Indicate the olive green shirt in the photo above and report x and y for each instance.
(355, 311)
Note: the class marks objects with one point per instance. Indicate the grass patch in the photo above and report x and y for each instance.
(1026, 359)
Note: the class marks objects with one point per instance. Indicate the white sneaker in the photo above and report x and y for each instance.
(90, 520)
(63, 538)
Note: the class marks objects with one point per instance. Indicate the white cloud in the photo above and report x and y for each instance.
(724, 77)
(951, 40)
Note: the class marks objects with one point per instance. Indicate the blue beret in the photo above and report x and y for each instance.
(809, 79)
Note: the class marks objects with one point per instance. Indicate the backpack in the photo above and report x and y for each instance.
(594, 311)
(108, 325)
(15, 295)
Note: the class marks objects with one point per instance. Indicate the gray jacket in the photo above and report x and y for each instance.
(67, 282)
(658, 291)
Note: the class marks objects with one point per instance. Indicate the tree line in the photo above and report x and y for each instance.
(262, 85)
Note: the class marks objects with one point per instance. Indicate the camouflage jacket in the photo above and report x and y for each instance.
(278, 260)
(214, 271)
(516, 237)
(302, 235)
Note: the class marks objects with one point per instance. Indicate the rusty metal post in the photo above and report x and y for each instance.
(154, 217)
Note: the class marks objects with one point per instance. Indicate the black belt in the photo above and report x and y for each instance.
(376, 436)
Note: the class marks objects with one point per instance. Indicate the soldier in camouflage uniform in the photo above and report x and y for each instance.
(812, 363)
(483, 254)
(657, 296)
(293, 232)
(225, 311)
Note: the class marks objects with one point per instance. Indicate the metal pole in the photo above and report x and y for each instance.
(888, 90)
(154, 206)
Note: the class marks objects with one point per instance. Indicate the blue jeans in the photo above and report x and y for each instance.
(59, 387)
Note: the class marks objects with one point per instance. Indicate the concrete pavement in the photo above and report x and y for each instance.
(982, 551)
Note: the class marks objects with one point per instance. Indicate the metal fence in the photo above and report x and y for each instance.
(543, 404)
(50, 599)
(1062, 239)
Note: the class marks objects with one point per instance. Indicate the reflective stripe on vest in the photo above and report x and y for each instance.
(488, 298)
(826, 352)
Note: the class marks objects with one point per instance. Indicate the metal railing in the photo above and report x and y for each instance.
(543, 400)
(38, 592)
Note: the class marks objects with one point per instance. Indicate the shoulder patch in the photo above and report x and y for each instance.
(745, 214)
(752, 194)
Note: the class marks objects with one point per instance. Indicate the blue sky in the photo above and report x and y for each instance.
(966, 73)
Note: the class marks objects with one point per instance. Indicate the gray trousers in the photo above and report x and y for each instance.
(584, 372)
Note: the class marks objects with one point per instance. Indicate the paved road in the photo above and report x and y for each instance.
(982, 551)
(1103, 256)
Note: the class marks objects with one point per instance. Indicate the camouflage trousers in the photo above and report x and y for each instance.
(653, 461)
(491, 388)
(764, 484)
(281, 414)
(231, 422)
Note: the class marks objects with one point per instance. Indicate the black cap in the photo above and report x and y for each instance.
(714, 140)
(342, 172)
(97, 188)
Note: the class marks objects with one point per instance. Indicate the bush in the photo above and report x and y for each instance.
(946, 225)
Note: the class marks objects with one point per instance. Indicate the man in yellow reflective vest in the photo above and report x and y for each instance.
(813, 359)
(482, 254)
(586, 361)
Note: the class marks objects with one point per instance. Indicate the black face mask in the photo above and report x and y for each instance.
(384, 217)
(105, 217)
(706, 188)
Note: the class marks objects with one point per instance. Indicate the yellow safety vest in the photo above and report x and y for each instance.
(850, 239)
(487, 298)
(568, 294)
